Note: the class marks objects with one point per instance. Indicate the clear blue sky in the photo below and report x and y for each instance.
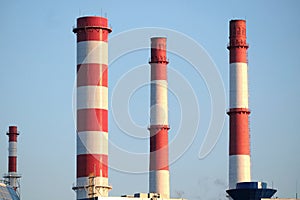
(37, 74)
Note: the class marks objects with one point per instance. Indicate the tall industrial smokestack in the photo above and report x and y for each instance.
(12, 176)
(159, 151)
(239, 141)
(92, 107)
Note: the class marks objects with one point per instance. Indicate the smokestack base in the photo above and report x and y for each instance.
(251, 191)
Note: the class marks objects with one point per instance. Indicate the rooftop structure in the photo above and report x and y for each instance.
(7, 192)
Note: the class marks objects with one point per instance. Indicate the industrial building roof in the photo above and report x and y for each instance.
(8, 193)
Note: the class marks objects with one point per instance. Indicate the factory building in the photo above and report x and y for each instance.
(7, 192)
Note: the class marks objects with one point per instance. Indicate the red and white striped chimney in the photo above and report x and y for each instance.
(92, 107)
(239, 141)
(159, 151)
(12, 176)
